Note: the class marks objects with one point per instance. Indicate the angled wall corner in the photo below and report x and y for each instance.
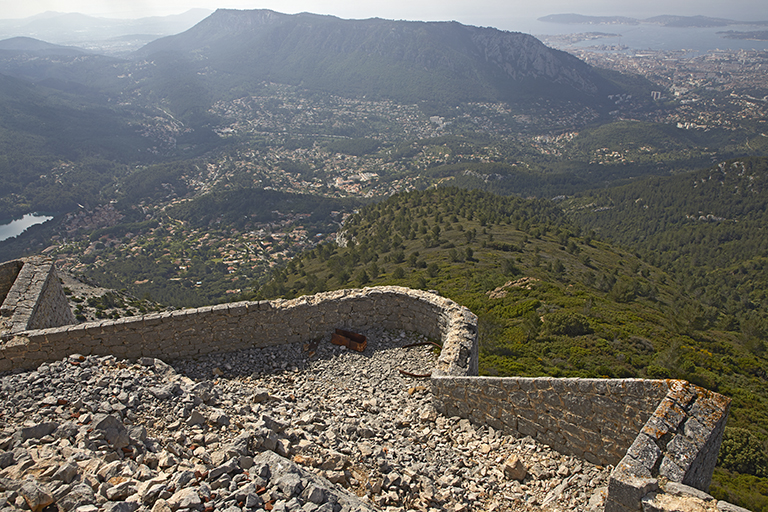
(33, 298)
(679, 443)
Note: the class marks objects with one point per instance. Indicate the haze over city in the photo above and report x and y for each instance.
(497, 13)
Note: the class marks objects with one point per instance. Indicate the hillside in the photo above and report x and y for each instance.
(538, 282)
(552, 300)
(38, 47)
(707, 228)
(402, 60)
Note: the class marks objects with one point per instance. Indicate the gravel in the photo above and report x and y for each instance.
(309, 426)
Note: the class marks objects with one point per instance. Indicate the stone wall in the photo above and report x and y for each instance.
(230, 327)
(653, 429)
(35, 298)
(595, 419)
(680, 443)
(8, 272)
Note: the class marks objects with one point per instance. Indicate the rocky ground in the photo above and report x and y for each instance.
(310, 427)
(92, 303)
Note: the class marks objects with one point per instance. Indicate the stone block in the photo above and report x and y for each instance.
(528, 427)
(494, 391)
(671, 470)
(724, 506)
(576, 439)
(526, 384)
(509, 420)
(658, 430)
(600, 386)
(645, 451)
(625, 491)
(683, 393)
(577, 405)
(682, 450)
(519, 399)
(678, 489)
(671, 412)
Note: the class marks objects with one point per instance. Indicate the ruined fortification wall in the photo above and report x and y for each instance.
(595, 419)
(34, 298)
(230, 327)
(680, 442)
(8, 272)
(651, 428)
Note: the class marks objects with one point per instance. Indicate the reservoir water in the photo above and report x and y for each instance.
(18, 226)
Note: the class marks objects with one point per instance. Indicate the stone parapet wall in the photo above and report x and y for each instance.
(679, 443)
(595, 419)
(8, 272)
(230, 327)
(35, 299)
(651, 429)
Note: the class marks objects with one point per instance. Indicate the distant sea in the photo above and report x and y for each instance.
(644, 36)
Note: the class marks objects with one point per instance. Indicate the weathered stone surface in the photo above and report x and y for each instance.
(37, 431)
(185, 499)
(724, 506)
(34, 298)
(626, 491)
(35, 495)
(120, 506)
(66, 473)
(662, 502)
(78, 496)
(113, 430)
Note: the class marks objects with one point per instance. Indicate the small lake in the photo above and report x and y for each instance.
(18, 226)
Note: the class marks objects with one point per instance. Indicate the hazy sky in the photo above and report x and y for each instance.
(496, 13)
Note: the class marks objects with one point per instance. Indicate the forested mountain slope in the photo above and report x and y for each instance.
(401, 60)
(708, 228)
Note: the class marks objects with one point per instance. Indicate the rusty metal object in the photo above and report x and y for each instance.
(416, 375)
(349, 339)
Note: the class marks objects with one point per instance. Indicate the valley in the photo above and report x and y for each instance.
(602, 215)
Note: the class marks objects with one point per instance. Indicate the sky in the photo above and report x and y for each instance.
(494, 13)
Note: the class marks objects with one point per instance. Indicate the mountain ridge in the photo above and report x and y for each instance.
(38, 46)
(396, 59)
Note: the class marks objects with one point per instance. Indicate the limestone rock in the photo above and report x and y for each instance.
(661, 502)
(113, 430)
(78, 496)
(514, 469)
(35, 495)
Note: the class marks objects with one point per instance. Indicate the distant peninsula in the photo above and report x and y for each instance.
(664, 20)
(755, 35)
